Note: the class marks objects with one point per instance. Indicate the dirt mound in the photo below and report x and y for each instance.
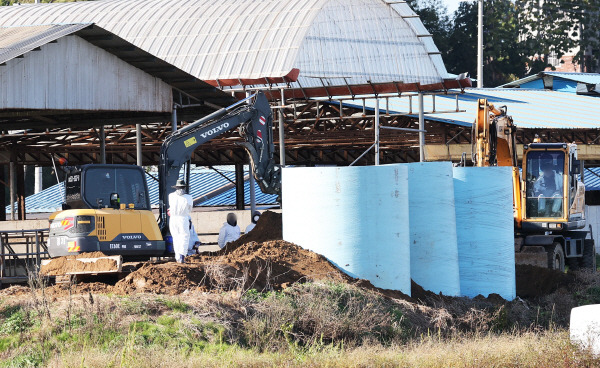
(268, 227)
(66, 264)
(535, 282)
(165, 278)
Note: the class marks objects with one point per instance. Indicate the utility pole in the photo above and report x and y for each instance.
(480, 44)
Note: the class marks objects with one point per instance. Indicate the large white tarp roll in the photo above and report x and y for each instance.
(357, 217)
(585, 327)
(433, 247)
(483, 198)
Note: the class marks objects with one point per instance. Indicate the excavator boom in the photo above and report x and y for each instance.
(256, 127)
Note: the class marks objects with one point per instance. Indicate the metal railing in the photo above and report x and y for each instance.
(21, 251)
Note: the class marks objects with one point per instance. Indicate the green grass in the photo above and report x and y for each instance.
(309, 325)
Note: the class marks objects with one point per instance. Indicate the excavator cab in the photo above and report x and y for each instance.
(554, 195)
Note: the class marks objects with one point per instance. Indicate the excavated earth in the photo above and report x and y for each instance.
(261, 260)
(64, 265)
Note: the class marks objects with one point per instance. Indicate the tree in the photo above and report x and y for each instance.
(559, 26)
(504, 56)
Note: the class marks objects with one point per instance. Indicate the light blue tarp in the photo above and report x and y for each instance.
(433, 247)
(483, 198)
(357, 217)
(450, 229)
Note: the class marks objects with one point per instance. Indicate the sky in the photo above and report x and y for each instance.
(452, 5)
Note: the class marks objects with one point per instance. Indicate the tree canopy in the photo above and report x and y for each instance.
(519, 35)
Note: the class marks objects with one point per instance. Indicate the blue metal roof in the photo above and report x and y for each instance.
(591, 178)
(529, 108)
(561, 81)
(202, 182)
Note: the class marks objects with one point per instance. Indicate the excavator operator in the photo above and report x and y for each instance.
(548, 188)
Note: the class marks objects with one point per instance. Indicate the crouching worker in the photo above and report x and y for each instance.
(230, 231)
(180, 206)
(255, 217)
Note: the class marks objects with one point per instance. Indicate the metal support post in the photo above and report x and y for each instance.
(421, 129)
(20, 170)
(12, 188)
(480, 44)
(281, 135)
(252, 191)
(37, 179)
(2, 193)
(239, 187)
(174, 118)
(138, 144)
(102, 146)
(377, 131)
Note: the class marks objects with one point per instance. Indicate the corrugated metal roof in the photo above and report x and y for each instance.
(16, 41)
(586, 78)
(353, 41)
(529, 108)
(591, 178)
(201, 183)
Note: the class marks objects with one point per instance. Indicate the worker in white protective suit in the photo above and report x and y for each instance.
(180, 206)
(194, 240)
(255, 217)
(230, 231)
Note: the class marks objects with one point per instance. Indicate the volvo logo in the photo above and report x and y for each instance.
(131, 237)
(215, 130)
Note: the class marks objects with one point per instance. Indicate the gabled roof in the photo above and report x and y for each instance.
(17, 41)
(330, 42)
(580, 83)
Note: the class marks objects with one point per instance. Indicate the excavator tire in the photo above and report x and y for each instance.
(556, 257)
(588, 260)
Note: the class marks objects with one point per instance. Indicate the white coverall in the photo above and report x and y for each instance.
(193, 239)
(180, 206)
(250, 227)
(228, 234)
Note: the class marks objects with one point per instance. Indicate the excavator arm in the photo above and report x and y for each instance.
(256, 127)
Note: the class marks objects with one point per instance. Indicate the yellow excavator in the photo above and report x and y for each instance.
(107, 207)
(548, 194)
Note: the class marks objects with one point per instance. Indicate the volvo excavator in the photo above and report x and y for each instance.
(548, 193)
(107, 207)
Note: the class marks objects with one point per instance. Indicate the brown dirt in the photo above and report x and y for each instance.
(263, 266)
(535, 282)
(165, 278)
(268, 227)
(66, 264)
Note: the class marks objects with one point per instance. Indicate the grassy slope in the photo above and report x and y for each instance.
(329, 325)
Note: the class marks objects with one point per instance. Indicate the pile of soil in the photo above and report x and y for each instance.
(535, 282)
(164, 278)
(268, 227)
(271, 265)
(66, 264)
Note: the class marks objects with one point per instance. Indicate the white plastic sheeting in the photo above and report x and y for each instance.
(353, 41)
(357, 217)
(433, 247)
(585, 327)
(483, 199)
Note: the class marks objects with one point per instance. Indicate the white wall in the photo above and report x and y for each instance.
(73, 74)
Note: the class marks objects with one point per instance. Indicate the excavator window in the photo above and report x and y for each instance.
(102, 183)
(544, 184)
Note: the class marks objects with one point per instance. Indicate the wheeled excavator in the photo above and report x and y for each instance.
(548, 193)
(107, 207)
